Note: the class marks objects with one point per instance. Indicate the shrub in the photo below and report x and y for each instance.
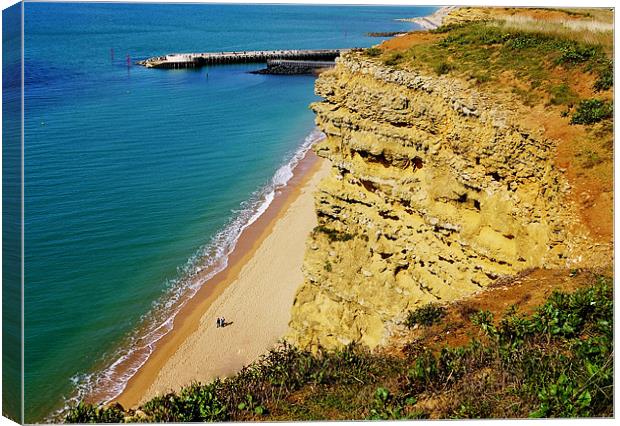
(388, 407)
(592, 111)
(89, 413)
(484, 320)
(481, 77)
(575, 53)
(474, 34)
(450, 27)
(195, 403)
(605, 77)
(394, 59)
(373, 52)
(555, 363)
(425, 315)
(562, 95)
(443, 68)
(523, 41)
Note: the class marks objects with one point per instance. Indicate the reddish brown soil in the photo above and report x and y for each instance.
(408, 40)
(591, 182)
(525, 292)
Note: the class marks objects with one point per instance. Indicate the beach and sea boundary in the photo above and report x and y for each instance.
(252, 286)
(343, 256)
(254, 293)
(279, 216)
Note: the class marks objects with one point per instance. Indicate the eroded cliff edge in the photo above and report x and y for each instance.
(435, 192)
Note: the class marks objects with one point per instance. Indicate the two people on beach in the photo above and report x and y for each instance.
(220, 322)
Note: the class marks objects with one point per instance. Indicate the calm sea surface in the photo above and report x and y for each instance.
(137, 178)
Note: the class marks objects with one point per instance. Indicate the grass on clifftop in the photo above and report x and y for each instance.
(557, 362)
(528, 56)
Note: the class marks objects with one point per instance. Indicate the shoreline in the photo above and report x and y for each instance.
(188, 321)
(433, 21)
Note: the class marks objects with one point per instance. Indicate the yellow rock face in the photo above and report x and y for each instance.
(433, 195)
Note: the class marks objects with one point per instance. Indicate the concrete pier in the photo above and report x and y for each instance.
(196, 60)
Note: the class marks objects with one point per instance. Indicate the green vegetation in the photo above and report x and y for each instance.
(529, 54)
(524, 50)
(557, 362)
(425, 315)
(394, 59)
(88, 413)
(562, 95)
(373, 52)
(442, 68)
(606, 77)
(590, 159)
(333, 235)
(387, 406)
(592, 111)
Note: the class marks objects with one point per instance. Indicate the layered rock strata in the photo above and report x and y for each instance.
(435, 192)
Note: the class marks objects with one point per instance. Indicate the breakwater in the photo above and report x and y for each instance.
(197, 60)
(294, 67)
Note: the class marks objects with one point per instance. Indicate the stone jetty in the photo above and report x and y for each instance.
(196, 60)
(295, 67)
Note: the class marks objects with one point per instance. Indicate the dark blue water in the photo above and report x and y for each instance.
(136, 178)
(11, 212)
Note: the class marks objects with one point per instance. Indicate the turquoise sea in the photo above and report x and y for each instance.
(135, 178)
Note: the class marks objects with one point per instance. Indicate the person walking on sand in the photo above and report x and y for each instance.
(218, 322)
(223, 322)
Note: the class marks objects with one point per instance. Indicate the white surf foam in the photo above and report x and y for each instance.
(109, 382)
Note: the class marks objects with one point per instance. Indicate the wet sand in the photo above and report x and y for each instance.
(254, 293)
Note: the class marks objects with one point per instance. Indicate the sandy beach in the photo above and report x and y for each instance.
(255, 294)
(433, 21)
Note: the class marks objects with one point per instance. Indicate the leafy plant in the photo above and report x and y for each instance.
(427, 315)
(195, 403)
(89, 413)
(563, 399)
(592, 111)
(387, 407)
(250, 405)
(574, 53)
(605, 78)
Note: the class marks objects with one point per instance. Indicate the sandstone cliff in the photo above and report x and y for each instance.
(435, 192)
